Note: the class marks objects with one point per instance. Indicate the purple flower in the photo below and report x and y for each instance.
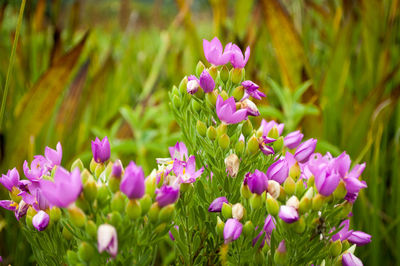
(288, 214)
(344, 233)
(281, 247)
(250, 107)
(267, 126)
(216, 205)
(226, 111)
(21, 210)
(107, 239)
(349, 259)
(11, 179)
(132, 185)
(278, 171)
(342, 163)
(171, 235)
(64, 190)
(356, 171)
(186, 171)
(41, 220)
(269, 224)
(354, 185)
(166, 195)
(251, 89)
(257, 182)
(304, 150)
(214, 54)
(179, 151)
(232, 230)
(39, 167)
(193, 84)
(101, 150)
(54, 156)
(206, 82)
(237, 58)
(359, 238)
(267, 150)
(293, 139)
(9, 205)
(117, 169)
(326, 181)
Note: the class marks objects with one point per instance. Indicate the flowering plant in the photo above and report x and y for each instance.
(232, 192)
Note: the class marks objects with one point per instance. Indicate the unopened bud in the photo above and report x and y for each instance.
(278, 144)
(256, 201)
(273, 133)
(199, 68)
(335, 248)
(317, 202)
(252, 146)
(92, 165)
(55, 214)
(167, 213)
(293, 201)
(114, 184)
(245, 191)
(340, 192)
(86, 251)
(153, 212)
(103, 195)
(294, 171)
(115, 218)
(310, 181)
(90, 190)
(176, 101)
(91, 229)
(282, 194)
(72, 258)
(211, 133)
(222, 129)
(118, 202)
(196, 106)
(77, 216)
(133, 209)
(237, 211)
(183, 86)
(211, 97)
(99, 170)
(220, 227)
(150, 183)
(224, 95)
(299, 226)
(77, 163)
(236, 75)
(347, 207)
(280, 257)
(247, 128)
(145, 203)
(224, 74)
(226, 210)
(272, 205)
(238, 93)
(274, 188)
(201, 128)
(232, 163)
(289, 186)
(300, 188)
(248, 229)
(304, 205)
(67, 233)
(224, 141)
(213, 71)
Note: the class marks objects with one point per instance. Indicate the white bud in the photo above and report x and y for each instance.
(250, 107)
(232, 163)
(274, 188)
(293, 201)
(237, 211)
(107, 239)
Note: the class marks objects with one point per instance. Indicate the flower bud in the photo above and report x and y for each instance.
(248, 229)
(273, 133)
(232, 165)
(115, 218)
(293, 139)
(304, 150)
(236, 75)
(167, 195)
(77, 216)
(92, 165)
(55, 214)
(72, 258)
(118, 202)
(41, 220)
(293, 201)
(257, 182)
(359, 238)
(150, 183)
(206, 81)
(220, 226)
(224, 141)
(335, 248)
(252, 146)
(299, 188)
(77, 163)
(245, 191)
(196, 106)
(317, 202)
(211, 133)
(238, 211)
(278, 171)
(183, 86)
(216, 205)
(67, 233)
(103, 194)
(132, 185)
(107, 239)
(167, 213)
(295, 171)
(224, 74)
(278, 144)
(160, 228)
(176, 101)
(247, 128)
(239, 148)
(101, 150)
(232, 230)
(256, 201)
(238, 93)
(213, 70)
(274, 188)
(340, 192)
(133, 209)
(349, 259)
(288, 214)
(153, 212)
(272, 205)
(224, 95)
(280, 256)
(175, 91)
(114, 183)
(86, 251)
(91, 229)
(282, 194)
(99, 170)
(299, 226)
(226, 210)
(90, 190)
(211, 97)
(199, 68)
(145, 203)
(85, 175)
(289, 186)
(222, 129)
(347, 207)
(304, 205)
(201, 128)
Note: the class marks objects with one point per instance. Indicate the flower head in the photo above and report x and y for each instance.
(186, 171)
(304, 150)
(11, 179)
(288, 214)
(257, 182)
(216, 205)
(179, 151)
(54, 156)
(232, 230)
(344, 233)
(64, 190)
(166, 195)
(278, 171)
(101, 150)
(250, 107)
(107, 239)
(251, 89)
(267, 126)
(349, 259)
(41, 220)
(232, 163)
(132, 185)
(206, 81)
(359, 238)
(214, 53)
(193, 84)
(237, 58)
(39, 167)
(226, 111)
(293, 139)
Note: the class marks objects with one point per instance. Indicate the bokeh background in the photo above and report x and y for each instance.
(86, 68)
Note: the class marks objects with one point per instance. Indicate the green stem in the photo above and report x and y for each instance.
(12, 59)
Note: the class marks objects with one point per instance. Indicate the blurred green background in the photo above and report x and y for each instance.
(86, 68)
